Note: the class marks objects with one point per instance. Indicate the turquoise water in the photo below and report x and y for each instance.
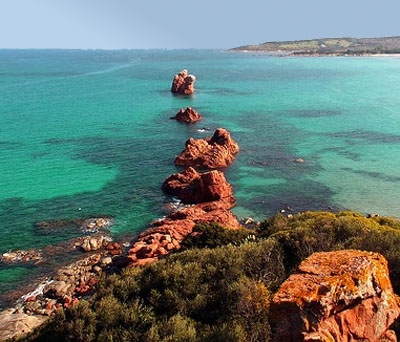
(88, 132)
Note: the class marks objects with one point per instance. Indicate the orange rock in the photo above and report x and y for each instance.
(193, 187)
(336, 296)
(188, 115)
(92, 282)
(213, 152)
(82, 288)
(167, 234)
(49, 306)
(183, 83)
(30, 299)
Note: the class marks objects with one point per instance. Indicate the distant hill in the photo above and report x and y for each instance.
(328, 46)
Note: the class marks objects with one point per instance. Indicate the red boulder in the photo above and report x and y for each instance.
(336, 296)
(188, 115)
(214, 152)
(183, 83)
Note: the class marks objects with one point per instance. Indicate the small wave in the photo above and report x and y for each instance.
(38, 290)
(105, 71)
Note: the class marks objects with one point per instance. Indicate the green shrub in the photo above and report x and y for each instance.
(213, 235)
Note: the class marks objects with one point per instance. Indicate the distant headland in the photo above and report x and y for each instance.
(328, 47)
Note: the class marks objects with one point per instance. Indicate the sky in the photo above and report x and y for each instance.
(173, 24)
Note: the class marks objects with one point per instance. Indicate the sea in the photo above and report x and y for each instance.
(88, 132)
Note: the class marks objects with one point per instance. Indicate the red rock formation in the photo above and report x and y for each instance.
(183, 83)
(213, 195)
(336, 296)
(193, 187)
(167, 234)
(188, 115)
(213, 152)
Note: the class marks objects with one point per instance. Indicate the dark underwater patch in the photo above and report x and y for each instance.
(229, 92)
(292, 197)
(312, 113)
(373, 174)
(343, 151)
(9, 145)
(370, 137)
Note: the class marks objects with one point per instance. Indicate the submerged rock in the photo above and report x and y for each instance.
(188, 115)
(21, 256)
(92, 224)
(183, 83)
(336, 296)
(213, 152)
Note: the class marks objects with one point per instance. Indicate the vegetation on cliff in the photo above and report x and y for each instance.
(329, 46)
(219, 289)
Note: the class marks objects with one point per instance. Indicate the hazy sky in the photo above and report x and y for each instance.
(115, 24)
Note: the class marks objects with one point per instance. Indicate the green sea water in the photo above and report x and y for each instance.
(87, 133)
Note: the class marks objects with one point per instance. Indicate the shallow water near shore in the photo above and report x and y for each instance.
(86, 133)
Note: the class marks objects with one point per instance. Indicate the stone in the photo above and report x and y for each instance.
(21, 256)
(336, 296)
(106, 261)
(92, 243)
(97, 269)
(95, 223)
(183, 83)
(193, 187)
(14, 325)
(214, 152)
(187, 115)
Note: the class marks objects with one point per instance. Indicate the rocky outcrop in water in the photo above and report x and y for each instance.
(214, 152)
(212, 196)
(92, 224)
(193, 187)
(21, 256)
(187, 115)
(183, 83)
(336, 296)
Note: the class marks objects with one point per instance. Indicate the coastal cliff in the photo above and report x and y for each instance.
(328, 47)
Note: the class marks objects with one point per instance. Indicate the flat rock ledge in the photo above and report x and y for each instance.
(336, 296)
(14, 325)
